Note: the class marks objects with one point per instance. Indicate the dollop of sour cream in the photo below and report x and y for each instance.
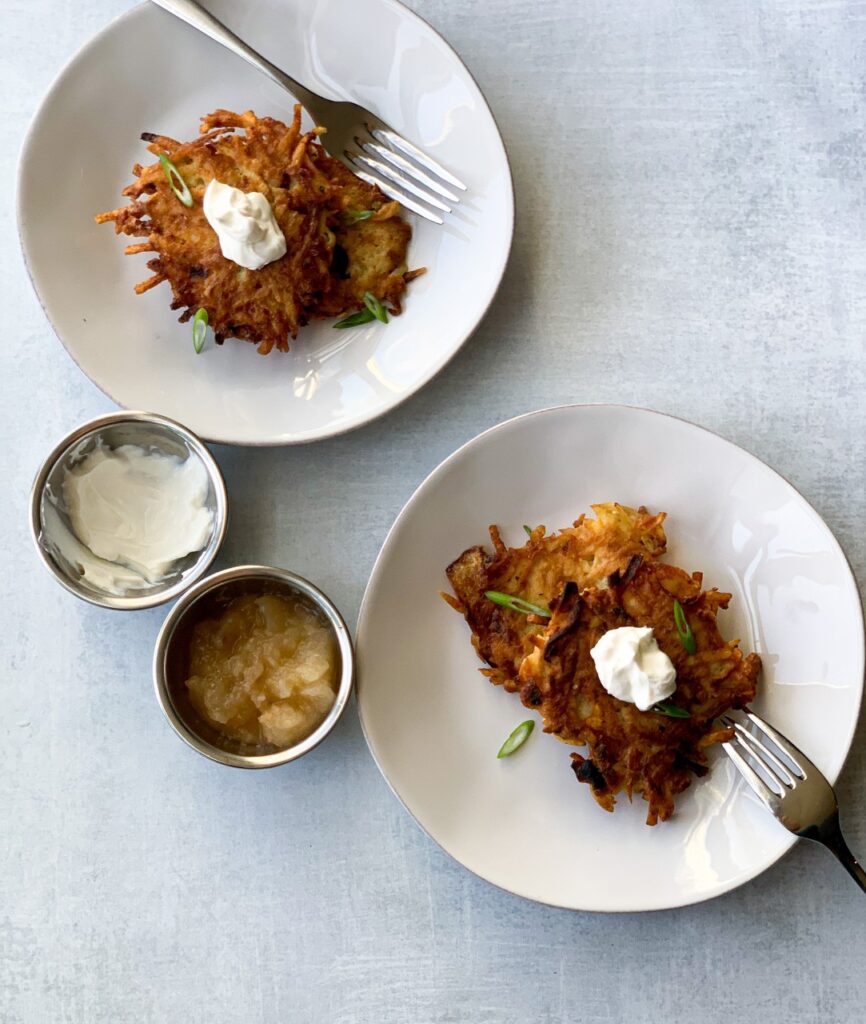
(632, 667)
(137, 512)
(245, 225)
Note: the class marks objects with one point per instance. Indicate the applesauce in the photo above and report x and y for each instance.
(263, 672)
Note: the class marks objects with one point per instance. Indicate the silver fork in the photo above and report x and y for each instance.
(358, 137)
(790, 787)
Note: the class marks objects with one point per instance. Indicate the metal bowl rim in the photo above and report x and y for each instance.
(209, 552)
(296, 583)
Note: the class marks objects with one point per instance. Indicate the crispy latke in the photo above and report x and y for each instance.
(615, 581)
(586, 552)
(331, 259)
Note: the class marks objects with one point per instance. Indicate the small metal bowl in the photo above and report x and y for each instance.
(49, 521)
(171, 661)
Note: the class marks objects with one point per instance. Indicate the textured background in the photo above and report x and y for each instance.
(690, 236)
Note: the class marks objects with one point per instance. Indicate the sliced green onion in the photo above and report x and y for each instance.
(528, 530)
(516, 604)
(353, 216)
(180, 189)
(671, 710)
(199, 329)
(516, 740)
(375, 307)
(687, 637)
(363, 316)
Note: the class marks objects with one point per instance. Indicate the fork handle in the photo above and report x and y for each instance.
(194, 14)
(835, 842)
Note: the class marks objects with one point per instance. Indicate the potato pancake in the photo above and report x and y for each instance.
(344, 238)
(600, 575)
(586, 552)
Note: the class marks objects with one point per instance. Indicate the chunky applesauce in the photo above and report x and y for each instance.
(263, 673)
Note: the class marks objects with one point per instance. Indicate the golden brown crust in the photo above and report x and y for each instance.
(600, 575)
(330, 262)
(635, 751)
(586, 552)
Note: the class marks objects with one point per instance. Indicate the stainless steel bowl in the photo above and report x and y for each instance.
(49, 521)
(170, 661)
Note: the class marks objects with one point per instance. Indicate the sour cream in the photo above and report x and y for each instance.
(245, 225)
(135, 514)
(631, 666)
(109, 577)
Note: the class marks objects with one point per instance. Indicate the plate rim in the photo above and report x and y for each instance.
(55, 86)
(363, 615)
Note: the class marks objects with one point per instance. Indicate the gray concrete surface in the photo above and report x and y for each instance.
(690, 236)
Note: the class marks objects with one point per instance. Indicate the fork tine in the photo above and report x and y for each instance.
(410, 169)
(760, 751)
(761, 768)
(369, 163)
(760, 788)
(393, 192)
(801, 763)
(809, 810)
(398, 142)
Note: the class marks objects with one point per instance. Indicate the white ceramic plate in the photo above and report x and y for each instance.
(149, 72)
(434, 724)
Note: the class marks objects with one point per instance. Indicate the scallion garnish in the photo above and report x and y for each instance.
(516, 604)
(517, 738)
(375, 307)
(671, 710)
(363, 316)
(354, 216)
(528, 530)
(374, 311)
(199, 329)
(687, 637)
(175, 181)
